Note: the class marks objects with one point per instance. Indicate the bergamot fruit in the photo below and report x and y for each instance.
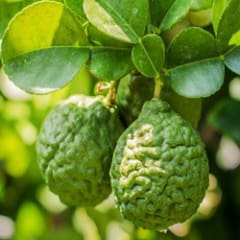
(132, 92)
(75, 148)
(159, 172)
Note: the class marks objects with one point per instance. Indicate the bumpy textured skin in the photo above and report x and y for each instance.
(75, 148)
(159, 171)
(132, 92)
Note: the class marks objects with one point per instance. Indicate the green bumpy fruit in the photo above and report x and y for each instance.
(159, 172)
(75, 148)
(132, 92)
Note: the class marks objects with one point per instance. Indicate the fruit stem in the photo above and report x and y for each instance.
(111, 95)
(158, 87)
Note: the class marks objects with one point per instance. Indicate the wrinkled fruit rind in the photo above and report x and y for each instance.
(132, 92)
(159, 172)
(75, 148)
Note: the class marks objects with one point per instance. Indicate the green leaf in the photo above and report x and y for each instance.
(176, 12)
(225, 117)
(219, 7)
(198, 79)
(235, 39)
(34, 73)
(110, 64)
(27, 40)
(77, 7)
(190, 45)
(232, 60)
(8, 9)
(100, 38)
(148, 55)
(27, 33)
(228, 25)
(158, 10)
(125, 20)
(201, 4)
(201, 18)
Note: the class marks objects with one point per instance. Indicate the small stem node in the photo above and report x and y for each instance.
(111, 94)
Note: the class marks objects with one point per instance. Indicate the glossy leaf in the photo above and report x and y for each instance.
(27, 33)
(228, 25)
(225, 117)
(125, 20)
(148, 55)
(30, 56)
(77, 7)
(99, 38)
(35, 73)
(8, 9)
(198, 79)
(190, 45)
(201, 18)
(235, 39)
(158, 10)
(175, 13)
(232, 60)
(219, 7)
(110, 64)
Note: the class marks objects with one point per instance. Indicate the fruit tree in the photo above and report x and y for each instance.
(162, 80)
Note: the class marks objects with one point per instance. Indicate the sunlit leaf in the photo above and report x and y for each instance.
(86, 83)
(166, 14)
(148, 55)
(198, 79)
(77, 7)
(201, 4)
(27, 33)
(219, 7)
(201, 18)
(125, 20)
(8, 9)
(99, 38)
(235, 39)
(31, 54)
(228, 25)
(175, 13)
